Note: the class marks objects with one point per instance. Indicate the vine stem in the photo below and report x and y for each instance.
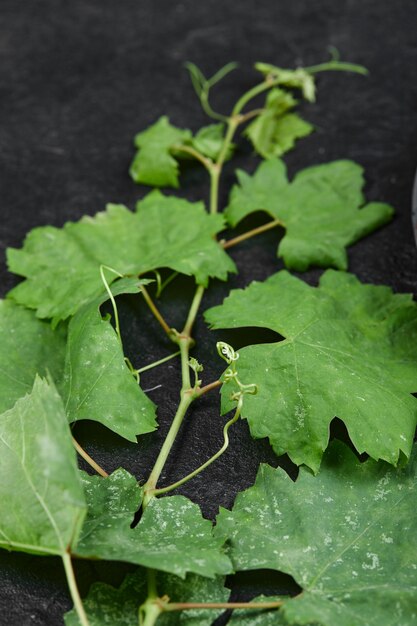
(208, 462)
(72, 585)
(251, 233)
(89, 459)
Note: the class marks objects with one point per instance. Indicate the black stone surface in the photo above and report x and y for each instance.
(78, 79)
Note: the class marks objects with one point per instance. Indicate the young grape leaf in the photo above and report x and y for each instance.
(62, 265)
(321, 209)
(28, 347)
(97, 383)
(348, 352)
(119, 607)
(346, 536)
(275, 131)
(153, 163)
(259, 617)
(294, 79)
(171, 536)
(209, 141)
(42, 500)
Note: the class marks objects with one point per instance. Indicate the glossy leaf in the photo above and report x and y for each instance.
(346, 536)
(62, 265)
(171, 536)
(153, 163)
(349, 351)
(275, 130)
(322, 210)
(97, 384)
(28, 347)
(119, 607)
(42, 500)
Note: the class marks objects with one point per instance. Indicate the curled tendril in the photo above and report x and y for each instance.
(229, 355)
(226, 352)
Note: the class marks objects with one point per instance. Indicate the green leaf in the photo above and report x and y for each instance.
(296, 79)
(119, 607)
(97, 384)
(209, 141)
(62, 265)
(42, 501)
(171, 536)
(28, 347)
(349, 351)
(259, 617)
(346, 536)
(154, 164)
(322, 209)
(275, 131)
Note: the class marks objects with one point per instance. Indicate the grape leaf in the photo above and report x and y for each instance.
(348, 352)
(153, 163)
(321, 209)
(296, 79)
(275, 131)
(346, 536)
(171, 536)
(28, 347)
(97, 383)
(105, 604)
(42, 500)
(62, 265)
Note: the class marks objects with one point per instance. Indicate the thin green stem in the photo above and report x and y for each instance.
(337, 66)
(72, 585)
(214, 385)
(166, 447)
(111, 297)
(195, 154)
(251, 233)
(186, 606)
(211, 460)
(192, 314)
(160, 362)
(214, 189)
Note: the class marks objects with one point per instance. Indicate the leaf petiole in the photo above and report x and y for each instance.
(159, 362)
(72, 585)
(89, 459)
(157, 314)
(251, 233)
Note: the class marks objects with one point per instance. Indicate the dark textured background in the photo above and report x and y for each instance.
(78, 79)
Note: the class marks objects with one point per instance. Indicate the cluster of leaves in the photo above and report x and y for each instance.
(345, 349)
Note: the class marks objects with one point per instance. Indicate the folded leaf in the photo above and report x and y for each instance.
(62, 265)
(209, 142)
(275, 131)
(171, 536)
(346, 536)
(153, 163)
(322, 209)
(28, 347)
(42, 500)
(349, 351)
(97, 383)
(119, 607)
